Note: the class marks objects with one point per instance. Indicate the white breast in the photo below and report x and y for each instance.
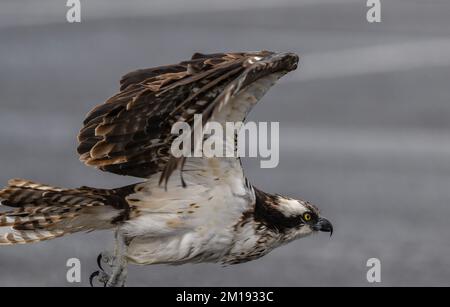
(188, 224)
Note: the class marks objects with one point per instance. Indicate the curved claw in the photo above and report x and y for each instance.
(94, 275)
(99, 262)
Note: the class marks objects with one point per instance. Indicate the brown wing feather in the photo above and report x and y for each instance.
(130, 133)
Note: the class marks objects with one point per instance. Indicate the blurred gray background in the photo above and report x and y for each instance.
(365, 129)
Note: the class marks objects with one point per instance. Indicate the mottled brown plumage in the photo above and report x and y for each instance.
(131, 133)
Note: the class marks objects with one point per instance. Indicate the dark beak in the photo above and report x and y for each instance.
(324, 225)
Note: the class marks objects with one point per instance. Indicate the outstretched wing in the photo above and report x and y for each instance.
(130, 134)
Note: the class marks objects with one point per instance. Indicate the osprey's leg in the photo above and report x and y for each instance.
(116, 262)
(119, 267)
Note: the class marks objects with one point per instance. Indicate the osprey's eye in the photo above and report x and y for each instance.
(307, 217)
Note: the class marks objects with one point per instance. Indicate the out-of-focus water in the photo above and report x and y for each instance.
(365, 130)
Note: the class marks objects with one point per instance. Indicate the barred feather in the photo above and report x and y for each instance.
(24, 237)
(130, 134)
(44, 212)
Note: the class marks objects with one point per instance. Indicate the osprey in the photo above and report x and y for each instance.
(209, 213)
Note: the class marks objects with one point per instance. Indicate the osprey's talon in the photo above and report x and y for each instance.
(99, 264)
(100, 276)
(106, 258)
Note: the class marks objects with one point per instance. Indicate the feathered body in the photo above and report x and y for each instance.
(209, 212)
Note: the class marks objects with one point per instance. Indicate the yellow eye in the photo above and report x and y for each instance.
(307, 217)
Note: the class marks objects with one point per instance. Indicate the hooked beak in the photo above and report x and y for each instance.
(324, 225)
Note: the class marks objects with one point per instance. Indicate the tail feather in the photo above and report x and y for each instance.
(22, 192)
(45, 212)
(25, 237)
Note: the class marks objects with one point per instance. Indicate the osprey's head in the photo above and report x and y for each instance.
(289, 217)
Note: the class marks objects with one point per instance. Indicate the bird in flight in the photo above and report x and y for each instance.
(209, 212)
